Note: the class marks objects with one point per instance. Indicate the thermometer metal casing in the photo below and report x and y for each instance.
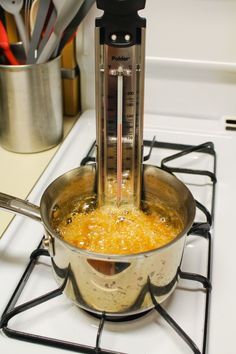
(120, 45)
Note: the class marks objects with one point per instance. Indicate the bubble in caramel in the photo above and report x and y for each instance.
(118, 230)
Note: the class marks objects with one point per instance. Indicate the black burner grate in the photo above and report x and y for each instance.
(200, 229)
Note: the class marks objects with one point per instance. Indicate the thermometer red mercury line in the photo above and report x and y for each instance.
(119, 133)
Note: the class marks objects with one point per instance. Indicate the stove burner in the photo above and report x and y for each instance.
(124, 318)
(198, 229)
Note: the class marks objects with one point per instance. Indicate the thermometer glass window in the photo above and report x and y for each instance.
(120, 37)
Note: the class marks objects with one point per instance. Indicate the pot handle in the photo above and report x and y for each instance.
(19, 206)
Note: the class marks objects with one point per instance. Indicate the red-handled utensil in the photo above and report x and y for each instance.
(4, 44)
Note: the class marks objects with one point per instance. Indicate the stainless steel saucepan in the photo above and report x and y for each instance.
(115, 284)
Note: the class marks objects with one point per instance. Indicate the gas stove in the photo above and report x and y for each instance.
(193, 306)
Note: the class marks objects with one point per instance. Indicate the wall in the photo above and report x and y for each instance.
(191, 58)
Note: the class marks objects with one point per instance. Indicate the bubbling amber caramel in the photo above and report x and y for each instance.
(113, 230)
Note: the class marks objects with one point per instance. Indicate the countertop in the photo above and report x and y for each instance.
(20, 172)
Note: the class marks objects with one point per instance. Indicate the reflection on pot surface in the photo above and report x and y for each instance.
(118, 287)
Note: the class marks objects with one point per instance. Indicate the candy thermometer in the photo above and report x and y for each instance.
(120, 44)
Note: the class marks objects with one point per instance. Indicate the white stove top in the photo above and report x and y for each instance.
(150, 334)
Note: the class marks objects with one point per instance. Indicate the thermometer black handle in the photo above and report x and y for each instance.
(120, 23)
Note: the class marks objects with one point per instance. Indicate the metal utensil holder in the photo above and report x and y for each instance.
(31, 113)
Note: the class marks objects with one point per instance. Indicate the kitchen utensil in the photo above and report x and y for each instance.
(31, 115)
(120, 37)
(65, 13)
(33, 11)
(70, 79)
(27, 9)
(11, 29)
(115, 284)
(14, 8)
(73, 25)
(48, 30)
(42, 11)
(2, 16)
(4, 44)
